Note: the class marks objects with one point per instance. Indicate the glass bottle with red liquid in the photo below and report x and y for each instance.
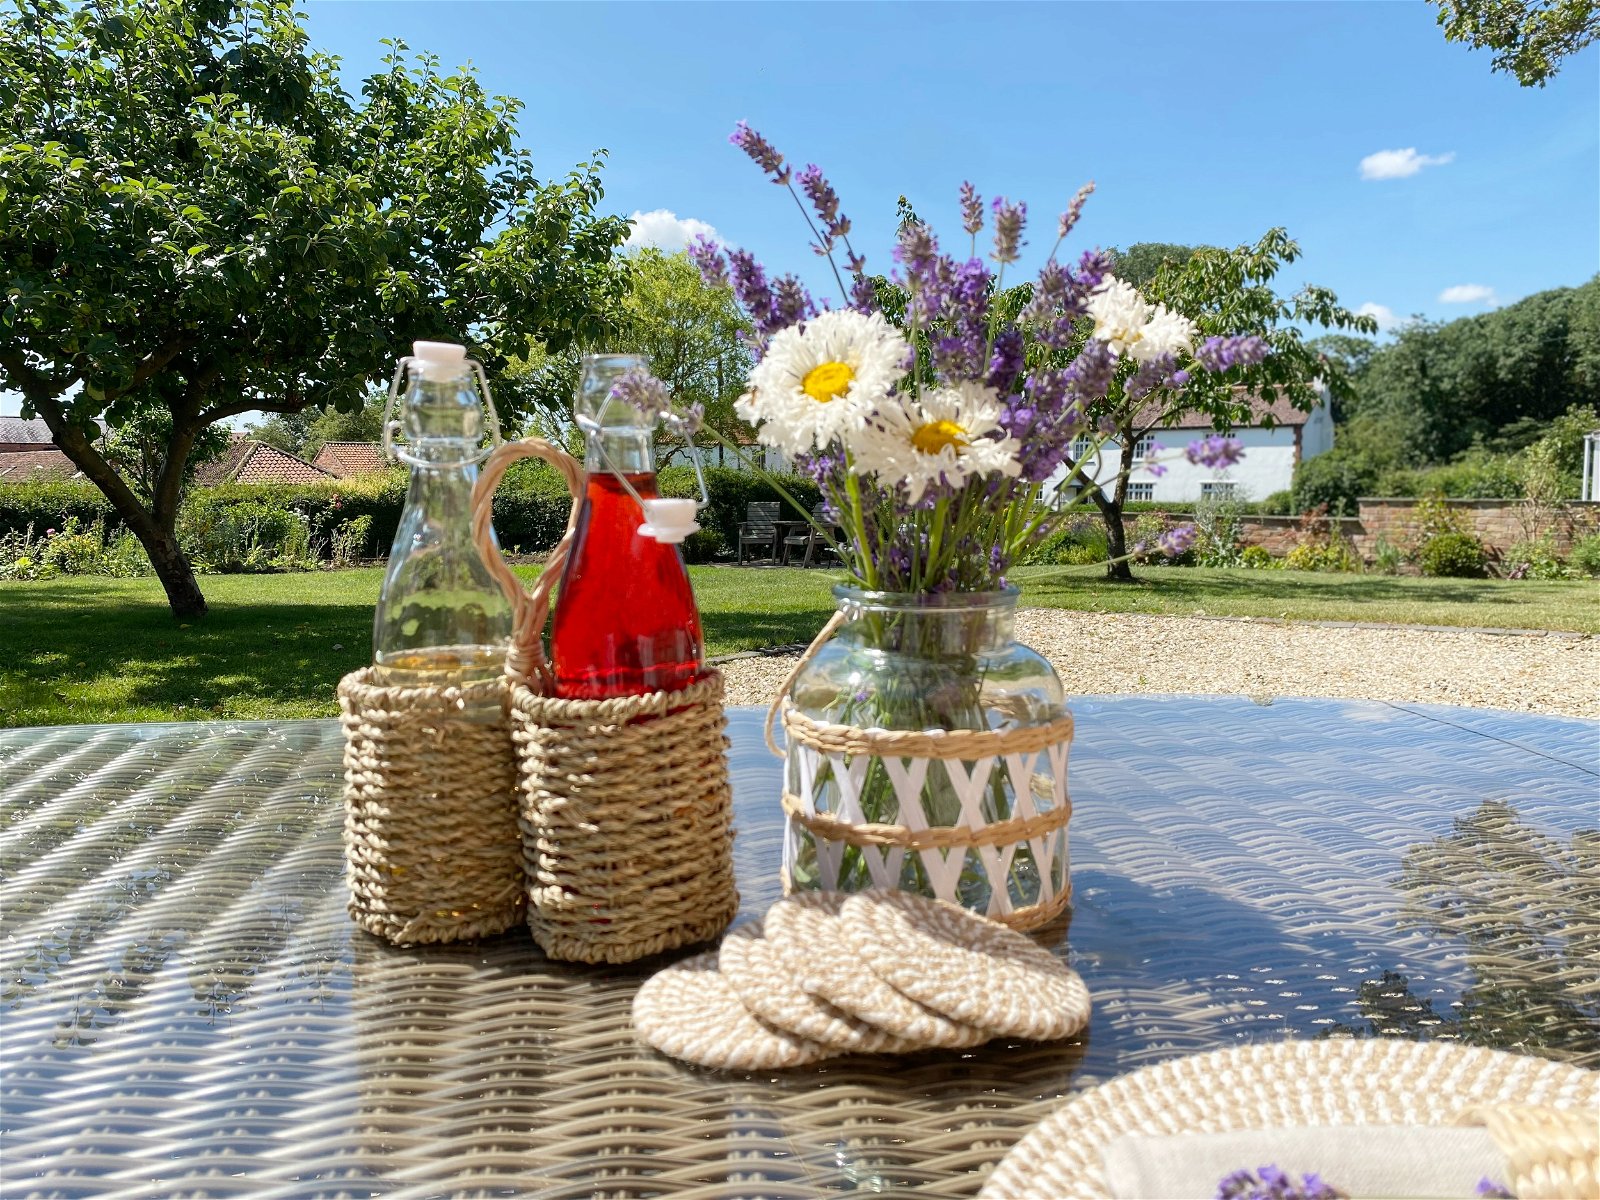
(625, 622)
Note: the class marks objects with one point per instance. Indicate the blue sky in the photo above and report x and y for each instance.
(1199, 122)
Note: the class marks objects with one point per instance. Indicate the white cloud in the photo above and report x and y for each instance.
(666, 230)
(1382, 313)
(1398, 164)
(1468, 293)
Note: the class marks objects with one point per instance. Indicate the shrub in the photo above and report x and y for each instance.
(244, 538)
(1386, 557)
(1078, 541)
(76, 551)
(1453, 555)
(1257, 558)
(51, 505)
(348, 541)
(1278, 504)
(1331, 482)
(702, 546)
(1585, 556)
(1335, 555)
(1216, 526)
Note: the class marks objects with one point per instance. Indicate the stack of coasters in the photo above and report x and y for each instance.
(881, 972)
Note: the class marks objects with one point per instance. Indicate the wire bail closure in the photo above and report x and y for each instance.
(667, 519)
(391, 423)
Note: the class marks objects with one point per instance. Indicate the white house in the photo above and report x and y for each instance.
(1270, 455)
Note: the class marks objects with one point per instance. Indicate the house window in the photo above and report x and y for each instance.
(1144, 447)
(1220, 489)
(1141, 491)
(1081, 448)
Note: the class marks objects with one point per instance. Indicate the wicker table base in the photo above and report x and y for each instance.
(187, 1009)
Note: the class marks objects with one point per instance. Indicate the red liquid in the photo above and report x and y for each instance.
(626, 621)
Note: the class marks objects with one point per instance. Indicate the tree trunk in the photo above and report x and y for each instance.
(1118, 569)
(174, 571)
(155, 528)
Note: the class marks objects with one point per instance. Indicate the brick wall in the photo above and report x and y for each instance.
(1496, 523)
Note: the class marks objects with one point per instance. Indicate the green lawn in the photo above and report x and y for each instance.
(81, 649)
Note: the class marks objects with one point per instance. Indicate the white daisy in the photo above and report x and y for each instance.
(1119, 313)
(818, 381)
(951, 434)
(1166, 332)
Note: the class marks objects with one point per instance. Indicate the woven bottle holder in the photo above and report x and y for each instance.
(625, 805)
(969, 756)
(430, 832)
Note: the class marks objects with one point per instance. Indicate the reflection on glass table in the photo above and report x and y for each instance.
(187, 1009)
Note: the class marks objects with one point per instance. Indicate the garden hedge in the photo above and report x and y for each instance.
(530, 508)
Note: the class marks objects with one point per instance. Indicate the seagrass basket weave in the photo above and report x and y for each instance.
(827, 763)
(431, 840)
(625, 804)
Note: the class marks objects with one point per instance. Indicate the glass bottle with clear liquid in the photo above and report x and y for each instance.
(442, 620)
(625, 621)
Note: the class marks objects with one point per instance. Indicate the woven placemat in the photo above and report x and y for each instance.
(806, 931)
(1284, 1084)
(967, 967)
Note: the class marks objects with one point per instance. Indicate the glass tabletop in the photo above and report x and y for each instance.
(188, 1011)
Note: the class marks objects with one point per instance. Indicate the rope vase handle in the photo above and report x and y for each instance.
(776, 707)
(525, 661)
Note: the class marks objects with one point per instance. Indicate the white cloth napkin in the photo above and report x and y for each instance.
(1404, 1162)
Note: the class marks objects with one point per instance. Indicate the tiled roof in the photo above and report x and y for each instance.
(22, 466)
(248, 461)
(1283, 413)
(17, 430)
(343, 459)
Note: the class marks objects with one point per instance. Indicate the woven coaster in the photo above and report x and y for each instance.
(808, 935)
(766, 985)
(965, 966)
(691, 1011)
(1364, 1081)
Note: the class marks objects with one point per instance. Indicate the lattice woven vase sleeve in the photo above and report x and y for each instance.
(826, 829)
(625, 805)
(431, 840)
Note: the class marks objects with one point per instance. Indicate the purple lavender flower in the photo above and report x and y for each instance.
(1271, 1183)
(763, 152)
(642, 392)
(1157, 373)
(1074, 210)
(1488, 1189)
(1009, 220)
(863, 294)
(826, 201)
(971, 209)
(707, 257)
(1089, 375)
(750, 285)
(689, 422)
(1219, 353)
(791, 302)
(1005, 363)
(1215, 451)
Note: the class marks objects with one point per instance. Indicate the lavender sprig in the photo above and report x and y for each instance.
(1009, 220)
(1217, 354)
(708, 259)
(1272, 1183)
(642, 392)
(1074, 211)
(762, 152)
(971, 209)
(826, 202)
(1215, 451)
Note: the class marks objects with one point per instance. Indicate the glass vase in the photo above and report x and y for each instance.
(948, 662)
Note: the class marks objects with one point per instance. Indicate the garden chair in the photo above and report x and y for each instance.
(807, 538)
(760, 528)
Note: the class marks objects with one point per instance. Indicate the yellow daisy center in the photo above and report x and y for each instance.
(936, 435)
(827, 381)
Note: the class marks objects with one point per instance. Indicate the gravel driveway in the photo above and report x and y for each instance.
(1124, 653)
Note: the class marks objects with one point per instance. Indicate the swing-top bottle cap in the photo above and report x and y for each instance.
(669, 520)
(439, 360)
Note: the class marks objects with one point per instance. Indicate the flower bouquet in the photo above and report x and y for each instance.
(945, 420)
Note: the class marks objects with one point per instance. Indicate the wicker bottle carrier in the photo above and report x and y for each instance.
(969, 756)
(625, 805)
(430, 832)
